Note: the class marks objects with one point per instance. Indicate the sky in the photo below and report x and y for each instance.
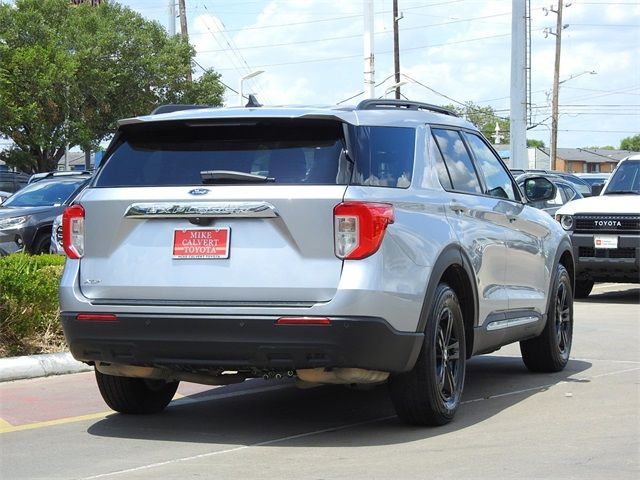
(451, 51)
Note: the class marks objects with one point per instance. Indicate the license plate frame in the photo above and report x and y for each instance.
(201, 243)
(605, 242)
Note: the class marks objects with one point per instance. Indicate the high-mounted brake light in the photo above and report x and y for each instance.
(359, 228)
(73, 231)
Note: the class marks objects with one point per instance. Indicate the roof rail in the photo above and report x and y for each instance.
(373, 104)
(176, 107)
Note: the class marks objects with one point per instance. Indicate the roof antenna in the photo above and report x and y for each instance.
(253, 102)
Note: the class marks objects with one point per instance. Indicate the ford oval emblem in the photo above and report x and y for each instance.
(199, 191)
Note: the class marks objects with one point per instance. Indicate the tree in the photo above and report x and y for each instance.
(68, 73)
(631, 143)
(604, 147)
(532, 142)
(484, 118)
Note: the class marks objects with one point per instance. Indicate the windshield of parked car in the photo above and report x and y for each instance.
(44, 193)
(626, 179)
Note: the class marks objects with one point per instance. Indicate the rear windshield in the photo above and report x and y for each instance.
(45, 193)
(309, 152)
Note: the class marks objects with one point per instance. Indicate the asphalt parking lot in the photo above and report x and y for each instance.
(581, 423)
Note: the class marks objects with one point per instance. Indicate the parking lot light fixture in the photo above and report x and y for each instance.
(242, 79)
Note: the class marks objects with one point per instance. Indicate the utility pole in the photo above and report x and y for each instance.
(396, 47)
(518, 102)
(172, 17)
(183, 30)
(556, 85)
(369, 63)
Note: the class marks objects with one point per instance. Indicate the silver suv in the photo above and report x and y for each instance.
(382, 242)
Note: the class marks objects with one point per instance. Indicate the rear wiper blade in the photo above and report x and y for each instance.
(232, 176)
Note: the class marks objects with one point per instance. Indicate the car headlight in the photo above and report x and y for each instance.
(566, 221)
(13, 222)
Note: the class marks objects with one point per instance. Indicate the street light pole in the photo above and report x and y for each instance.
(369, 60)
(241, 84)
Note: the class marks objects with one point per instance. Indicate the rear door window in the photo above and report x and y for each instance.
(457, 160)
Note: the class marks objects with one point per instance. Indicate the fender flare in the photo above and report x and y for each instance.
(564, 247)
(451, 255)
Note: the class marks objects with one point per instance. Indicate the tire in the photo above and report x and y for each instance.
(42, 244)
(430, 393)
(549, 352)
(583, 288)
(135, 395)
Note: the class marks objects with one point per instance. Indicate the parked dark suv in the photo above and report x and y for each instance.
(354, 245)
(26, 217)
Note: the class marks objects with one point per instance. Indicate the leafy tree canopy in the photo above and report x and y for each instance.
(631, 143)
(532, 142)
(68, 73)
(605, 147)
(484, 118)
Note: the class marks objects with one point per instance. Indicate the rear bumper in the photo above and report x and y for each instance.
(607, 265)
(191, 342)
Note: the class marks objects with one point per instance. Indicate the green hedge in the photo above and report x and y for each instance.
(29, 311)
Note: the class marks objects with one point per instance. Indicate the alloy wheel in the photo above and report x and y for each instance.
(447, 358)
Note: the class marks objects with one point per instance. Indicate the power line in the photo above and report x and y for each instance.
(306, 22)
(221, 82)
(600, 131)
(433, 90)
(343, 37)
(386, 52)
(602, 25)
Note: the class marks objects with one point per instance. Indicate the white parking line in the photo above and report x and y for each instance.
(325, 430)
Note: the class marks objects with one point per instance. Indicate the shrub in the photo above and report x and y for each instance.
(29, 312)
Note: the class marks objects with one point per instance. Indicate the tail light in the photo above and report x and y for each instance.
(359, 228)
(73, 231)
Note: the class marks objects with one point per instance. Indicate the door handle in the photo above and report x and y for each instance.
(458, 208)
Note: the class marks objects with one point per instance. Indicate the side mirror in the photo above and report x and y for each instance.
(596, 189)
(539, 189)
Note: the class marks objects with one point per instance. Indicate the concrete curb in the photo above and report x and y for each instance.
(35, 366)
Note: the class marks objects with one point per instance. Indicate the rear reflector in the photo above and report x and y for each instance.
(303, 321)
(96, 317)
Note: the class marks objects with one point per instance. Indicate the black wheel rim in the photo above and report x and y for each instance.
(563, 319)
(447, 358)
